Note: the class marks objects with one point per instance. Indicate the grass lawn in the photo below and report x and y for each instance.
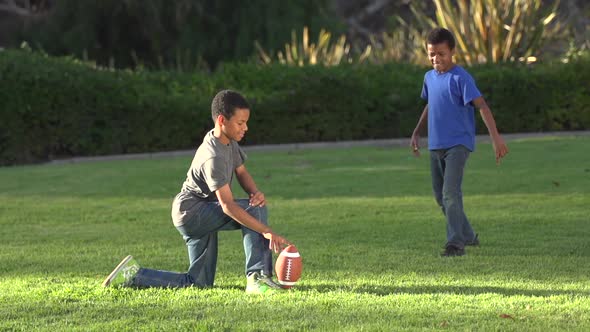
(364, 221)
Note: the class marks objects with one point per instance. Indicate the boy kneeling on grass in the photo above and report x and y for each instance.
(206, 205)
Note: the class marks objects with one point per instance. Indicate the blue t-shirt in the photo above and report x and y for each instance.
(451, 115)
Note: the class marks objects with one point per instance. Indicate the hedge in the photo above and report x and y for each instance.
(58, 107)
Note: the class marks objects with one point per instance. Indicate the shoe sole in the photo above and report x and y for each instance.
(109, 279)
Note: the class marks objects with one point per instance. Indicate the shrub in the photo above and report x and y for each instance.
(52, 108)
(58, 107)
(491, 31)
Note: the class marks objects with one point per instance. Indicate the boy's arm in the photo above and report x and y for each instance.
(500, 148)
(234, 211)
(247, 183)
(415, 140)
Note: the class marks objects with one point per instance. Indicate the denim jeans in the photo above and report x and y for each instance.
(447, 166)
(200, 236)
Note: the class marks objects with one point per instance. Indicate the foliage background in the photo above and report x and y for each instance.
(60, 107)
(130, 76)
(183, 34)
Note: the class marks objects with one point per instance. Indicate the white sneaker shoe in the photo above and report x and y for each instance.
(261, 284)
(123, 274)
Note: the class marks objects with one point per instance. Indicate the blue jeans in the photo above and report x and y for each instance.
(200, 236)
(446, 167)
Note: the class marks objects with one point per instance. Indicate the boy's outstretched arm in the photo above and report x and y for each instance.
(247, 183)
(234, 211)
(500, 148)
(415, 140)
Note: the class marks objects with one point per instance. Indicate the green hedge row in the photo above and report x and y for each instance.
(51, 108)
(54, 108)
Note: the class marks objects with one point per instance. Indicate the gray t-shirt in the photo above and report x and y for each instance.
(212, 167)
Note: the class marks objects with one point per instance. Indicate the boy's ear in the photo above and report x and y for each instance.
(220, 120)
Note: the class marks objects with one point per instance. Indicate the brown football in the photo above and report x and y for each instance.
(289, 266)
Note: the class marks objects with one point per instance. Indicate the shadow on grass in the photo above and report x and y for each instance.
(404, 290)
(454, 290)
(214, 288)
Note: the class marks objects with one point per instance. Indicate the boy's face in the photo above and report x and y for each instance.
(441, 57)
(235, 127)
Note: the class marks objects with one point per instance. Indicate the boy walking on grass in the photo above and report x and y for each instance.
(206, 205)
(451, 96)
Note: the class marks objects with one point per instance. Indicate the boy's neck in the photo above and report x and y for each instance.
(448, 70)
(217, 133)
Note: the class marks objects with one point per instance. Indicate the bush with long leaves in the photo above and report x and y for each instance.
(322, 52)
(401, 45)
(491, 31)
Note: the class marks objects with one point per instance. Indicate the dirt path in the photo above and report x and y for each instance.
(394, 142)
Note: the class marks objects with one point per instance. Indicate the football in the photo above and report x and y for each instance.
(288, 266)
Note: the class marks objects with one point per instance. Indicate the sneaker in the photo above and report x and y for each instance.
(452, 251)
(123, 274)
(474, 242)
(261, 284)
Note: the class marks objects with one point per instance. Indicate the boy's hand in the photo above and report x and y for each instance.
(257, 199)
(277, 242)
(500, 148)
(415, 144)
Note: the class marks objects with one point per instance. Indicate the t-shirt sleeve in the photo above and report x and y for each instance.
(215, 173)
(469, 90)
(424, 94)
(239, 156)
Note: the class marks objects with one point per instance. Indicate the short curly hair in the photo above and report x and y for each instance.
(439, 36)
(226, 102)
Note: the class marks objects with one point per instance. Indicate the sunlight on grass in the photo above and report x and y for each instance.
(363, 219)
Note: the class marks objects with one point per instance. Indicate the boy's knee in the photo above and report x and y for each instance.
(439, 200)
(451, 197)
(260, 213)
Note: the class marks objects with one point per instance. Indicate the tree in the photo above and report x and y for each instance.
(25, 7)
(181, 34)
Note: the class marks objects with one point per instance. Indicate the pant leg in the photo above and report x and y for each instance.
(468, 232)
(157, 278)
(200, 236)
(256, 247)
(201, 273)
(437, 172)
(202, 255)
(458, 226)
(202, 244)
(201, 239)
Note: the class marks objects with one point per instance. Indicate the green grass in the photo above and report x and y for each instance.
(363, 219)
